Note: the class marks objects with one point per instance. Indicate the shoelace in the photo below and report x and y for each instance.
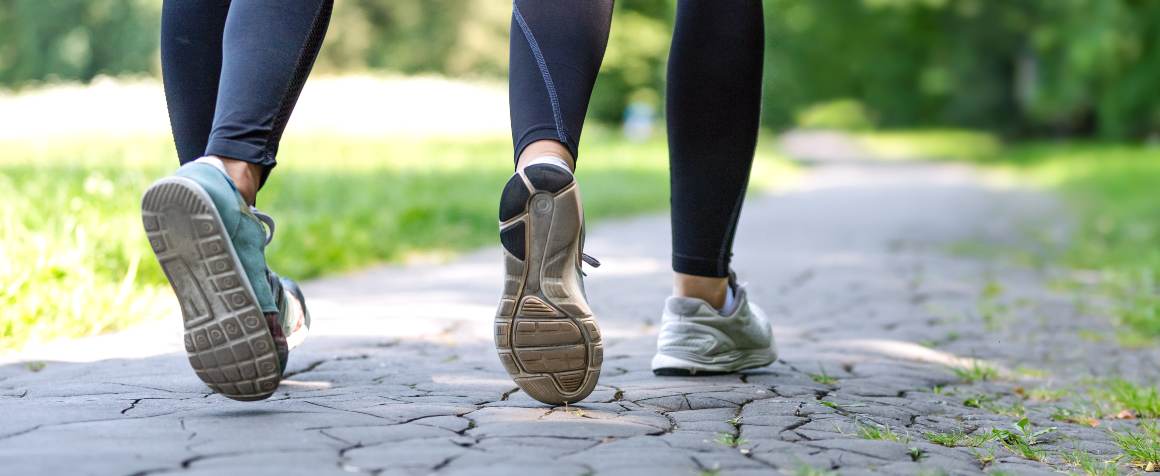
(592, 261)
(267, 220)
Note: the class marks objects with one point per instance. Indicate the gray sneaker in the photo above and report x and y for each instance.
(696, 339)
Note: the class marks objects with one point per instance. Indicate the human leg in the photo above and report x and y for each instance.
(545, 332)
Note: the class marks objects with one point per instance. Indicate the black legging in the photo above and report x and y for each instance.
(713, 102)
(233, 71)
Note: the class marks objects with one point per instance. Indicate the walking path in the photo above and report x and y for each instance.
(871, 311)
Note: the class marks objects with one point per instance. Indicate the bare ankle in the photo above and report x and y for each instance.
(246, 176)
(543, 148)
(709, 289)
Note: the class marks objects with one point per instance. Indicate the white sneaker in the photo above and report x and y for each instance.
(697, 339)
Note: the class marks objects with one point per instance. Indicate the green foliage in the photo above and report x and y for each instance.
(1088, 465)
(634, 63)
(730, 440)
(1040, 66)
(807, 470)
(72, 260)
(839, 114)
(1143, 402)
(870, 431)
(977, 371)
(957, 438)
(76, 39)
(824, 378)
(1035, 67)
(1022, 438)
(926, 144)
(1143, 448)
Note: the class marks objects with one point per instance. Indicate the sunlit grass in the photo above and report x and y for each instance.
(1114, 189)
(1143, 447)
(954, 144)
(74, 261)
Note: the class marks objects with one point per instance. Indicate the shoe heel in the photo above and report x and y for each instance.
(546, 335)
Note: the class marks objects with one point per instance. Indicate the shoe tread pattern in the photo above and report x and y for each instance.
(226, 337)
(546, 336)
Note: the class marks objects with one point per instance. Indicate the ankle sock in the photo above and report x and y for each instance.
(730, 301)
(214, 161)
(550, 160)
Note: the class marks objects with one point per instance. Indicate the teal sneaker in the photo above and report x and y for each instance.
(241, 319)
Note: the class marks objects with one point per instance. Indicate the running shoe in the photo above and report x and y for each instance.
(697, 339)
(241, 319)
(545, 333)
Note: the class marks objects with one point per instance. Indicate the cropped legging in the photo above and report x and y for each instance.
(713, 102)
(233, 71)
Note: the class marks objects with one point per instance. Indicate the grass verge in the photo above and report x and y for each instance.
(1111, 186)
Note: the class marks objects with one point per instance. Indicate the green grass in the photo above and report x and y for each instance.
(985, 456)
(976, 372)
(948, 439)
(1046, 394)
(807, 470)
(730, 440)
(74, 261)
(1143, 402)
(943, 144)
(1110, 398)
(1080, 415)
(880, 432)
(1021, 439)
(1143, 448)
(1089, 465)
(956, 438)
(1112, 188)
(824, 378)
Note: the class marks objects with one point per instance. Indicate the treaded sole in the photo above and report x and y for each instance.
(226, 335)
(546, 336)
(669, 366)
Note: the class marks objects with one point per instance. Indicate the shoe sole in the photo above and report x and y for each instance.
(546, 336)
(665, 365)
(227, 337)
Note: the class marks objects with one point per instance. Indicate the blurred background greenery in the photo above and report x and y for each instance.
(1061, 91)
(1025, 68)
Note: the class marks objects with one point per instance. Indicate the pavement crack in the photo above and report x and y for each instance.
(343, 410)
(21, 432)
(796, 425)
(134, 385)
(443, 464)
(672, 425)
(308, 368)
(131, 406)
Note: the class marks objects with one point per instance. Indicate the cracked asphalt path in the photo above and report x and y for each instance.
(870, 309)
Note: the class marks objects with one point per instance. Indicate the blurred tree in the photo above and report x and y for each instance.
(1021, 67)
(76, 39)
